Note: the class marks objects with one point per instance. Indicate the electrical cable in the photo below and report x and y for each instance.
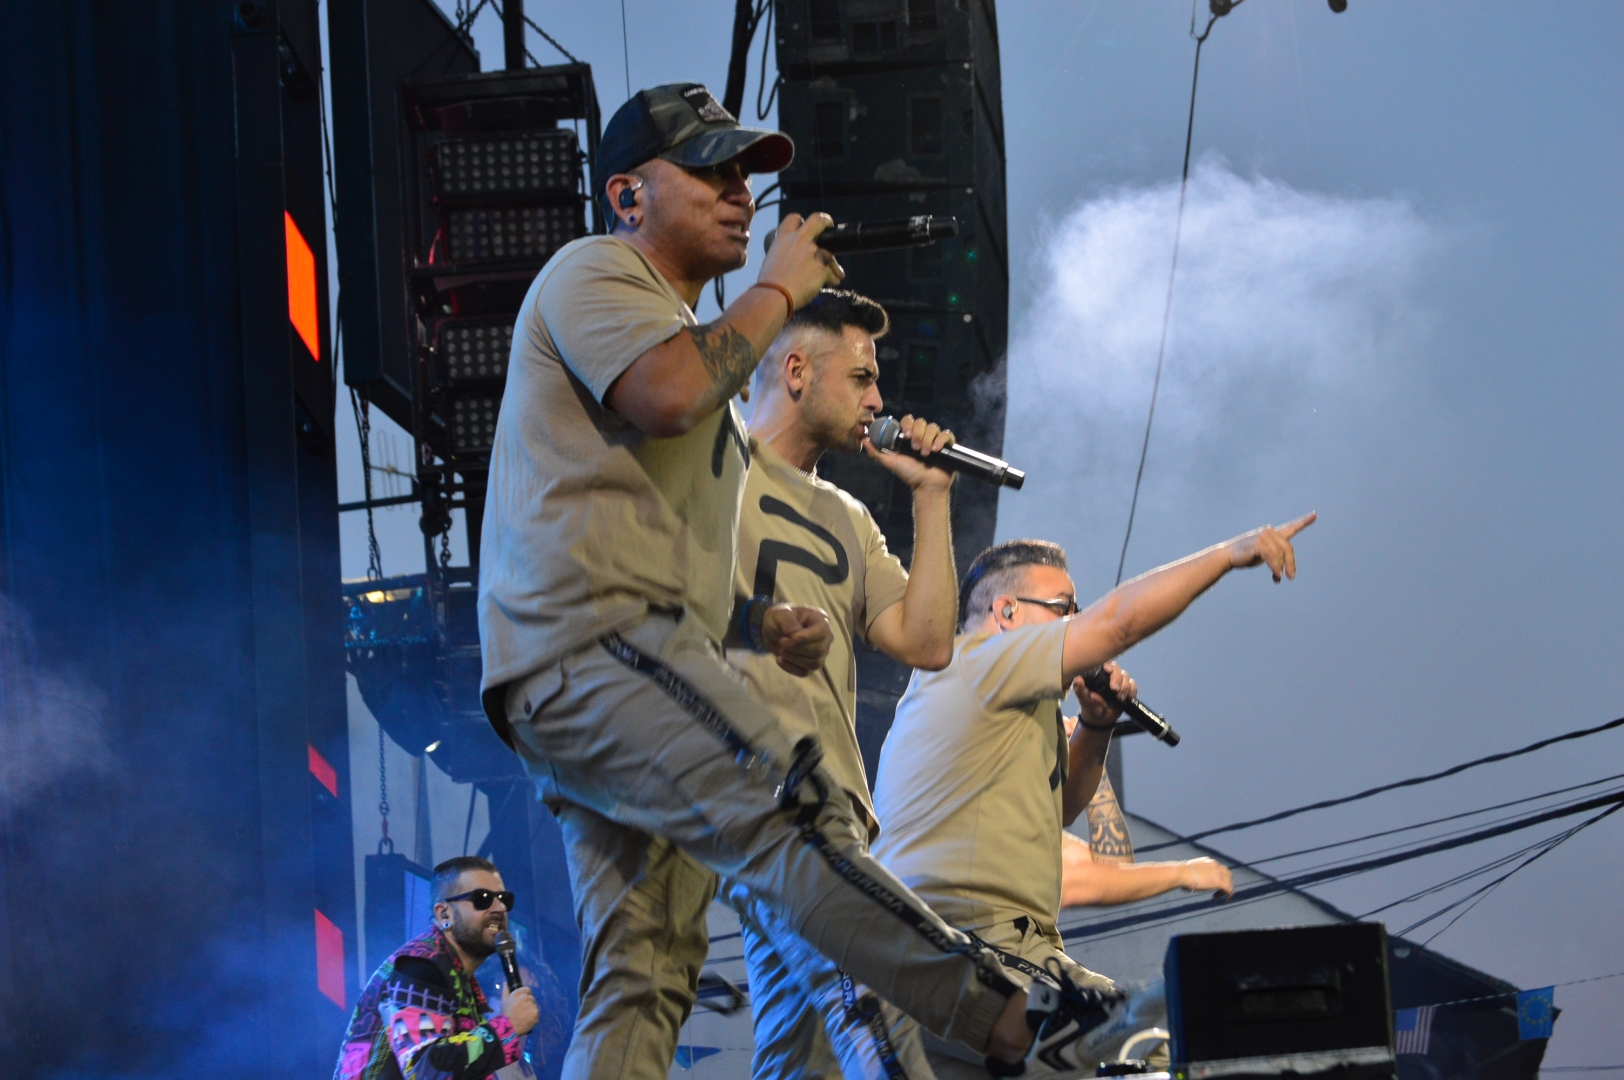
(625, 48)
(1218, 12)
(1458, 879)
(332, 208)
(1477, 896)
(1151, 907)
(1395, 785)
(1250, 893)
(1424, 824)
(1166, 903)
(1514, 993)
(778, 80)
(1446, 835)
(763, 13)
(1437, 836)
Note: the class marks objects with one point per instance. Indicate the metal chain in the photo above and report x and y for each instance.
(383, 798)
(445, 546)
(363, 426)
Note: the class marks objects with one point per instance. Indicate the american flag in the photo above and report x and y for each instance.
(1413, 1028)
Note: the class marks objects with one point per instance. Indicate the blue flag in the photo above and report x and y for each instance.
(1536, 1013)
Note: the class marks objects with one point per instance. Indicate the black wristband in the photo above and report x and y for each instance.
(750, 620)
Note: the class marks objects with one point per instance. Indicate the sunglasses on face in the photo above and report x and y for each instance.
(481, 898)
(1060, 605)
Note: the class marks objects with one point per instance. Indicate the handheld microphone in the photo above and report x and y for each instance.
(510, 963)
(916, 231)
(1099, 682)
(886, 434)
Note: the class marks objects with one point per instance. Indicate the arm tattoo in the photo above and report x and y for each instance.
(728, 356)
(1108, 835)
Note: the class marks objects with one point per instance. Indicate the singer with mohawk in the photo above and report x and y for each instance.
(979, 779)
(804, 541)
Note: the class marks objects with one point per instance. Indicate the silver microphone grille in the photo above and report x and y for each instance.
(883, 432)
(504, 943)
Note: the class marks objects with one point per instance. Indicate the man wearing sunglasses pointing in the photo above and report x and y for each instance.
(423, 1014)
(979, 778)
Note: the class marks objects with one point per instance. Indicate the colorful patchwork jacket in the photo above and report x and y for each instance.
(421, 1017)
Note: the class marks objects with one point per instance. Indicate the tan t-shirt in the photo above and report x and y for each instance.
(588, 522)
(970, 781)
(804, 541)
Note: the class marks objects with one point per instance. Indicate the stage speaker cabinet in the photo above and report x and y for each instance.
(1296, 1001)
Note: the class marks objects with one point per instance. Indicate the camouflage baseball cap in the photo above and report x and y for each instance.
(684, 124)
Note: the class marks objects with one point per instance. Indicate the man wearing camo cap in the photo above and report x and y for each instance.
(606, 573)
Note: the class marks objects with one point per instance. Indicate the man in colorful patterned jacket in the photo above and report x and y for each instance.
(422, 1015)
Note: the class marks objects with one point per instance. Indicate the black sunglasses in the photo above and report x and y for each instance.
(1060, 605)
(481, 898)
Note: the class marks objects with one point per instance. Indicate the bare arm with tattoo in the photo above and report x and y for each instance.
(1088, 881)
(671, 388)
(1108, 838)
(1102, 872)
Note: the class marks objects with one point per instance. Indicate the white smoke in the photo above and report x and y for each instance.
(1285, 300)
(52, 725)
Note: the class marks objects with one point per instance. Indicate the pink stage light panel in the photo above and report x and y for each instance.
(323, 772)
(329, 959)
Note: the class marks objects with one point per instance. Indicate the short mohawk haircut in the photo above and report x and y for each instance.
(832, 310)
(1000, 568)
(836, 309)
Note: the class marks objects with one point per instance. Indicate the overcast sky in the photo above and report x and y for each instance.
(1399, 304)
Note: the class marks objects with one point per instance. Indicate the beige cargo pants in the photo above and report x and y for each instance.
(651, 732)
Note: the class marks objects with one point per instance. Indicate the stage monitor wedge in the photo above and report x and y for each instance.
(1303, 1000)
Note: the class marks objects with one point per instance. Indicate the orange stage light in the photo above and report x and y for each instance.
(302, 311)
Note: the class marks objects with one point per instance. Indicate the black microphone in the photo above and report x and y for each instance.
(1099, 682)
(886, 434)
(510, 962)
(882, 235)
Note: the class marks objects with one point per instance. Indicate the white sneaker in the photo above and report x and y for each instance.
(1074, 1027)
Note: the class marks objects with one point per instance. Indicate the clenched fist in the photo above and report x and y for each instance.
(797, 637)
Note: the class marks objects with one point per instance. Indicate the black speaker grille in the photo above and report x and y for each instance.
(475, 350)
(508, 165)
(473, 423)
(528, 232)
